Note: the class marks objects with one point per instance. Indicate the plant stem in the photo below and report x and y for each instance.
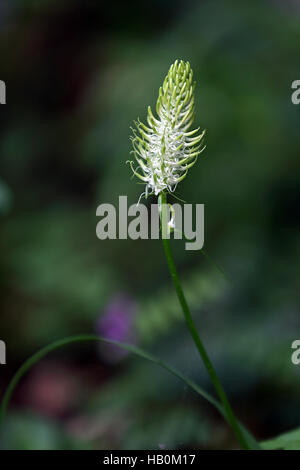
(231, 419)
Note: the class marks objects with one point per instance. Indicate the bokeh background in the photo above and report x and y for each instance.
(77, 74)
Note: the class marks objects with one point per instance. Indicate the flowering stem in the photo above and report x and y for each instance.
(229, 414)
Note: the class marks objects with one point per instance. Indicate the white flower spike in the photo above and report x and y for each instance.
(166, 148)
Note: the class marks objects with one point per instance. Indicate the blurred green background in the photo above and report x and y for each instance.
(77, 74)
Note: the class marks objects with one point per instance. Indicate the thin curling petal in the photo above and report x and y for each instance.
(167, 145)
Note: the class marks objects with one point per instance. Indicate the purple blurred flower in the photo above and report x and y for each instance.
(117, 323)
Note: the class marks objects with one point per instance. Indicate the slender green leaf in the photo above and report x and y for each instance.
(128, 347)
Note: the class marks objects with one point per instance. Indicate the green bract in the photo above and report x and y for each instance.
(167, 148)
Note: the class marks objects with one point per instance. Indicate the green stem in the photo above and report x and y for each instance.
(232, 420)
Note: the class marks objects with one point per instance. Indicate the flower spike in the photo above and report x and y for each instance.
(166, 148)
